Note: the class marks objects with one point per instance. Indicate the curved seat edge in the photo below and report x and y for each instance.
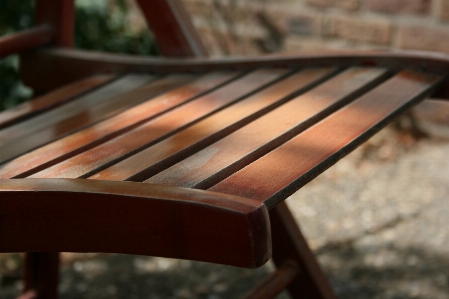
(77, 215)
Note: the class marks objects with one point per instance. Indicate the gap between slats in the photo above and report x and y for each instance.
(280, 173)
(91, 136)
(39, 122)
(53, 124)
(94, 114)
(165, 125)
(54, 99)
(207, 167)
(192, 139)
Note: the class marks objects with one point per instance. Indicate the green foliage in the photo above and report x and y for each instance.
(99, 26)
(12, 90)
(105, 28)
(14, 16)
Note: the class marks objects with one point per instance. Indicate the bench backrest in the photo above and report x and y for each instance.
(168, 19)
(55, 19)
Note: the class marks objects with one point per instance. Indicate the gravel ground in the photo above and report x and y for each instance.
(377, 221)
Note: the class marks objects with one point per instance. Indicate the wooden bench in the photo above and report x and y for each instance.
(184, 158)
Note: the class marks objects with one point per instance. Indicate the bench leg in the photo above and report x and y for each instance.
(289, 243)
(41, 275)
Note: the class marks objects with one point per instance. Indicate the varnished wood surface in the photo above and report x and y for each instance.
(259, 135)
(51, 100)
(174, 148)
(120, 86)
(83, 140)
(284, 170)
(169, 123)
(136, 218)
(207, 167)
(87, 110)
(173, 222)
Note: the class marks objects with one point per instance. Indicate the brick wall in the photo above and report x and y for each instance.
(257, 26)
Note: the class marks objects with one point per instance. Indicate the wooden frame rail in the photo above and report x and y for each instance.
(50, 64)
(25, 40)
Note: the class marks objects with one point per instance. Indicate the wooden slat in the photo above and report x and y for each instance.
(224, 157)
(87, 138)
(175, 120)
(51, 100)
(87, 115)
(120, 86)
(169, 151)
(283, 171)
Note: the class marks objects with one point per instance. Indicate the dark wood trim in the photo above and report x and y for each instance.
(41, 275)
(25, 40)
(274, 284)
(133, 218)
(171, 25)
(59, 14)
(290, 244)
(63, 65)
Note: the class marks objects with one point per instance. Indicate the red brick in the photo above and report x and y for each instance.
(320, 3)
(347, 4)
(304, 24)
(443, 10)
(373, 31)
(424, 38)
(400, 6)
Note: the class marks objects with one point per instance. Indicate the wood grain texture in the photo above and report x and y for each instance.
(207, 167)
(284, 170)
(152, 160)
(25, 40)
(91, 136)
(51, 100)
(133, 218)
(171, 25)
(120, 86)
(83, 115)
(88, 162)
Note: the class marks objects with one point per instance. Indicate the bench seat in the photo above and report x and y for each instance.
(85, 152)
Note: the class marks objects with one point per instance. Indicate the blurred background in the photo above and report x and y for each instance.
(101, 25)
(250, 27)
(377, 220)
